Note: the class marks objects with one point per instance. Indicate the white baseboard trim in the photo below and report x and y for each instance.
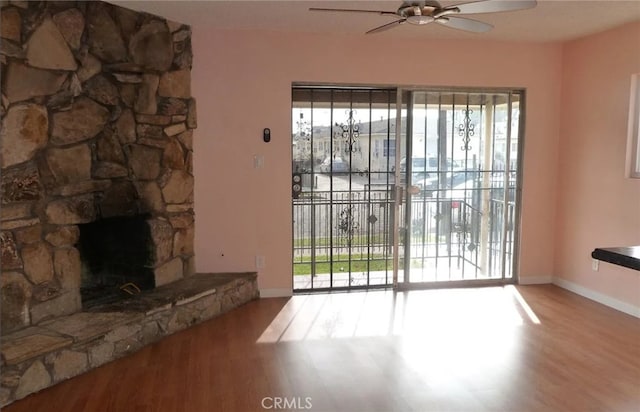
(276, 293)
(535, 280)
(598, 297)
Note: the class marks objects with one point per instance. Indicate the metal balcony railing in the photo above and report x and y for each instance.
(352, 232)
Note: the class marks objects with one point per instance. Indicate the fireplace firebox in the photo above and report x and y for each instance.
(117, 256)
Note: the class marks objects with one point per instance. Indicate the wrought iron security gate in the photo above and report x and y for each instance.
(441, 173)
(343, 149)
(463, 165)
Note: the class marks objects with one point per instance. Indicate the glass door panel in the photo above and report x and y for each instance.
(344, 151)
(461, 222)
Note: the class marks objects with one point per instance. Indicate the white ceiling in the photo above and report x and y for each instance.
(551, 20)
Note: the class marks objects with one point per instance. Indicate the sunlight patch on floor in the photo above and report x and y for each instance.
(456, 314)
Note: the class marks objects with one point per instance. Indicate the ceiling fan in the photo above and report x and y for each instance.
(424, 12)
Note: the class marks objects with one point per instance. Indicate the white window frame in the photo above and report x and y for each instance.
(633, 141)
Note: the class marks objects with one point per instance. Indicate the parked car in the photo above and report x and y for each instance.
(335, 165)
(418, 165)
(458, 205)
(464, 199)
(422, 164)
(461, 176)
(427, 184)
(432, 181)
(461, 192)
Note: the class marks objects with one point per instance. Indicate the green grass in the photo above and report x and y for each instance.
(373, 240)
(341, 264)
(341, 241)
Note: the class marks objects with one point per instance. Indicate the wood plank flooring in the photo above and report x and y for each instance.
(525, 348)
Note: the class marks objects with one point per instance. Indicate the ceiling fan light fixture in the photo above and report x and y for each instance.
(419, 20)
(428, 11)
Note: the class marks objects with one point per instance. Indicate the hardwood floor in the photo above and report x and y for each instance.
(530, 348)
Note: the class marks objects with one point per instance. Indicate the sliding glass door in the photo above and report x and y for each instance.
(404, 187)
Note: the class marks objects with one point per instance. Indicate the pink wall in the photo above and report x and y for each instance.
(242, 82)
(597, 205)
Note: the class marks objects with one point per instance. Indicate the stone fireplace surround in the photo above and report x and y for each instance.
(97, 121)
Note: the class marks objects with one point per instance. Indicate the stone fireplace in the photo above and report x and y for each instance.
(97, 185)
(96, 191)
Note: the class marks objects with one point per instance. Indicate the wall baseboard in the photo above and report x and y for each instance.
(530, 280)
(598, 297)
(276, 293)
(535, 280)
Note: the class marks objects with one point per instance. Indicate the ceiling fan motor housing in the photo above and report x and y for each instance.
(424, 12)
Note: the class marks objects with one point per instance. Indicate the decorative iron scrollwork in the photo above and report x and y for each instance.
(348, 224)
(466, 130)
(304, 129)
(349, 131)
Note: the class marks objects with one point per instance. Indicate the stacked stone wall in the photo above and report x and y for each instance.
(97, 121)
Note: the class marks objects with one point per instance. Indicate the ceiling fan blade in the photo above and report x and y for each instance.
(493, 6)
(462, 23)
(382, 12)
(386, 26)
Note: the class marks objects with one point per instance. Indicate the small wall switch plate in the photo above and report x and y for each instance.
(595, 264)
(259, 262)
(258, 162)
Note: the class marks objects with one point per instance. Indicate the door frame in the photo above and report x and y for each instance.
(404, 98)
